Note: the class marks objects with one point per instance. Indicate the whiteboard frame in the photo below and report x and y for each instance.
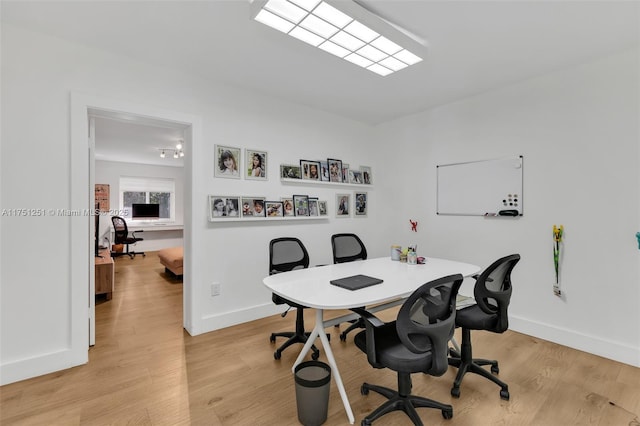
(486, 212)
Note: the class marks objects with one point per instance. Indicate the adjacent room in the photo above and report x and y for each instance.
(460, 132)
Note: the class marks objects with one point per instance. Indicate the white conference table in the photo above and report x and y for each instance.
(311, 287)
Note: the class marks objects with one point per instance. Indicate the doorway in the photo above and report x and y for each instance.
(82, 171)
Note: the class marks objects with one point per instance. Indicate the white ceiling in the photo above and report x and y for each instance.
(473, 46)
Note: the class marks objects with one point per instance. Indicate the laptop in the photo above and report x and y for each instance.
(356, 282)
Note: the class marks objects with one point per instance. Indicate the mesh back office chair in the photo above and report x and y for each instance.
(415, 343)
(492, 292)
(287, 254)
(348, 248)
(121, 236)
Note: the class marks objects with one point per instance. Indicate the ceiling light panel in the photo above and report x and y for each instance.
(352, 33)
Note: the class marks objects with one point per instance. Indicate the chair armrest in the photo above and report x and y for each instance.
(372, 323)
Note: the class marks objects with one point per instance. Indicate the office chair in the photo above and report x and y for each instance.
(121, 236)
(287, 254)
(492, 292)
(348, 248)
(415, 343)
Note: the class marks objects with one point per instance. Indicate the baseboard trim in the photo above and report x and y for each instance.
(614, 350)
(39, 365)
(227, 319)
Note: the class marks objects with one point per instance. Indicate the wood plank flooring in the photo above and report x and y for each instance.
(146, 370)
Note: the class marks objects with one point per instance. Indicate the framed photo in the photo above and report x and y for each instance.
(227, 162)
(324, 171)
(289, 171)
(323, 209)
(366, 175)
(301, 205)
(345, 173)
(335, 170)
(343, 203)
(287, 207)
(253, 207)
(310, 169)
(361, 200)
(355, 176)
(256, 164)
(222, 206)
(313, 207)
(274, 208)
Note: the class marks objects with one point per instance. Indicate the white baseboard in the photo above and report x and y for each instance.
(39, 365)
(614, 350)
(227, 319)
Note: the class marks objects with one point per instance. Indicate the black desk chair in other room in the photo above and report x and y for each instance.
(121, 236)
(492, 292)
(348, 248)
(415, 343)
(287, 254)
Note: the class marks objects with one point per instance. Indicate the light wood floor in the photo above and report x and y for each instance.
(145, 370)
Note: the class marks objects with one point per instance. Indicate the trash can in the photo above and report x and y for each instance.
(312, 392)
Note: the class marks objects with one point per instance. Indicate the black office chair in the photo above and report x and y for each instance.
(121, 236)
(287, 254)
(415, 343)
(492, 292)
(348, 248)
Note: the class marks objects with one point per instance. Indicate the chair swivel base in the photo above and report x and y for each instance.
(292, 338)
(465, 363)
(356, 324)
(406, 403)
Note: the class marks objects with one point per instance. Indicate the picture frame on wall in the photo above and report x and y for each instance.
(361, 202)
(355, 176)
(343, 203)
(345, 173)
(227, 162)
(313, 206)
(256, 164)
(290, 171)
(253, 207)
(323, 209)
(287, 207)
(223, 207)
(324, 171)
(310, 170)
(301, 205)
(335, 170)
(274, 208)
(367, 177)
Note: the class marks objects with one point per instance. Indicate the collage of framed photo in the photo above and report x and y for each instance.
(223, 207)
(230, 164)
(331, 170)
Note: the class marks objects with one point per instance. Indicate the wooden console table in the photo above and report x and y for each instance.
(105, 274)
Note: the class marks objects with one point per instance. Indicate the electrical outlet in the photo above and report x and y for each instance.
(215, 289)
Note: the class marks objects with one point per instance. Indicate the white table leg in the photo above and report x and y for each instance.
(318, 331)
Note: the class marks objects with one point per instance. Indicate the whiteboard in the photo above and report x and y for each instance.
(480, 188)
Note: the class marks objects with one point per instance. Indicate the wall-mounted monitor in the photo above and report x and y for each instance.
(145, 211)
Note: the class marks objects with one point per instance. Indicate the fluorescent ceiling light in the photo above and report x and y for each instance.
(319, 24)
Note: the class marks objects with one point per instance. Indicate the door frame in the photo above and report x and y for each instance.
(82, 263)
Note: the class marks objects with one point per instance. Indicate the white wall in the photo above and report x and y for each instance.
(578, 132)
(109, 172)
(38, 74)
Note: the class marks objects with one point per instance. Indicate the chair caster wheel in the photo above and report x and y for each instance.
(455, 392)
(447, 414)
(495, 369)
(315, 355)
(365, 423)
(272, 339)
(364, 389)
(504, 394)
(277, 355)
(343, 337)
